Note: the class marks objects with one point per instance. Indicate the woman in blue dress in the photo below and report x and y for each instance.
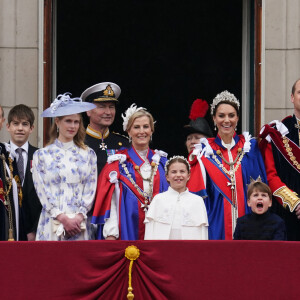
(65, 174)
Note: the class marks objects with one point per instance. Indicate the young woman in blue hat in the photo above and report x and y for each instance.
(65, 174)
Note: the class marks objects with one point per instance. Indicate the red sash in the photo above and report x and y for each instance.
(219, 178)
(277, 139)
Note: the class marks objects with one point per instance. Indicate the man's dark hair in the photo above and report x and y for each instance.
(19, 112)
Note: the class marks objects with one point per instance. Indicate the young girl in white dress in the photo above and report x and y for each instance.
(176, 214)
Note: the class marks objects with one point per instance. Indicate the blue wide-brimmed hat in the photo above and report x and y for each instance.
(63, 105)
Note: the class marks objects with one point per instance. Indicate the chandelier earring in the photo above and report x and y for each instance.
(151, 138)
(130, 140)
(215, 128)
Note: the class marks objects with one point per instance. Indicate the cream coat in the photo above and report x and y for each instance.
(163, 214)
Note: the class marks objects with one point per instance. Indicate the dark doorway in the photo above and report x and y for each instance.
(163, 55)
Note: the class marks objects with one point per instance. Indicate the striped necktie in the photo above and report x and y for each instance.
(20, 164)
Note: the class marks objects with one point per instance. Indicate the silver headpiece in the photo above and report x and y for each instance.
(224, 96)
(128, 113)
(176, 157)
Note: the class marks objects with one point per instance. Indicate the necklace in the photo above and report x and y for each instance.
(137, 168)
(145, 195)
(232, 183)
(233, 169)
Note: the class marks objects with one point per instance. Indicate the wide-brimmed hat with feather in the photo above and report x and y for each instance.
(198, 123)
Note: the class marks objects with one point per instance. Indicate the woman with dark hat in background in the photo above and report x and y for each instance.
(130, 180)
(198, 126)
(65, 174)
(223, 167)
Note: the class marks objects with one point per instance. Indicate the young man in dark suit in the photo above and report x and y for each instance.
(20, 125)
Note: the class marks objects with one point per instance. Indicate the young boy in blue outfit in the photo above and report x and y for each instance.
(260, 224)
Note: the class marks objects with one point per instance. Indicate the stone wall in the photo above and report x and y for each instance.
(19, 57)
(19, 48)
(282, 56)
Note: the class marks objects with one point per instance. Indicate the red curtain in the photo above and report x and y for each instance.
(164, 270)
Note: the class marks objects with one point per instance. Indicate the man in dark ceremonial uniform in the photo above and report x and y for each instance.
(98, 136)
(12, 221)
(281, 151)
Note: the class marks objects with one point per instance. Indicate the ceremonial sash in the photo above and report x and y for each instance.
(289, 150)
(105, 190)
(219, 178)
(158, 185)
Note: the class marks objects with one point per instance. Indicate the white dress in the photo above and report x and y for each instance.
(176, 216)
(65, 179)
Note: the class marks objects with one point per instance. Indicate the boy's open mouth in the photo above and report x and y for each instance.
(259, 205)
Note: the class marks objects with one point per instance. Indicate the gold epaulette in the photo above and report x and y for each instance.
(288, 197)
(124, 136)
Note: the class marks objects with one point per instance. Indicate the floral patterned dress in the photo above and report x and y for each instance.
(65, 179)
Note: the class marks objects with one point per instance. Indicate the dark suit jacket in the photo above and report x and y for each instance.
(32, 205)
